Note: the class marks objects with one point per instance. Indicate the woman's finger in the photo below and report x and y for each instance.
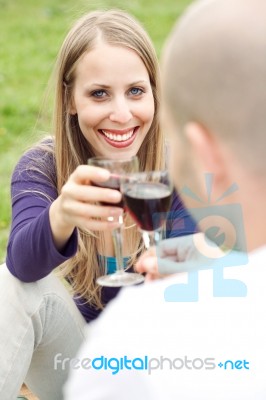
(88, 193)
(74, 209)
(97, 225)
(85, 174)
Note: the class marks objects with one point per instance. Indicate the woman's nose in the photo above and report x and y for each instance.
(120, 112)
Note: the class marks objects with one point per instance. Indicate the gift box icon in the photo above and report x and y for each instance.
(223, 227)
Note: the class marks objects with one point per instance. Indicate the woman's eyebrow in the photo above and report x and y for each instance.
(138, 82)
(104, 86)
(101, 85)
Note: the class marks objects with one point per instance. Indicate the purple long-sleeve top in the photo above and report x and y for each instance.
(31, 252)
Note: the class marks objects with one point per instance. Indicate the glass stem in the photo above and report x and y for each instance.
(118, 245)
(151, 238)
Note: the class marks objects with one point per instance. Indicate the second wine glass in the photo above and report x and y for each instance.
(147, 197)
(118, 168)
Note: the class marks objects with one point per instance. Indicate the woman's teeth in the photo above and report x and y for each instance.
(118, 138)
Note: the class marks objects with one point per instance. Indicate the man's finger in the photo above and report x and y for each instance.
(147, 264)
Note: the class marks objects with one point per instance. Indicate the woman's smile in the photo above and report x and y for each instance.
(119, 138)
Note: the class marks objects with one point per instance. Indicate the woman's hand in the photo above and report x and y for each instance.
(75, 206)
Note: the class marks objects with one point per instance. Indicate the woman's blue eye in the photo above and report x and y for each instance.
(99, 93)
(136, 91)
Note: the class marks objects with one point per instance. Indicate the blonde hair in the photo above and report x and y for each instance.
(71, 148)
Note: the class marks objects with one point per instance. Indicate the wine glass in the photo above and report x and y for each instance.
(147, 197)
(117, 167)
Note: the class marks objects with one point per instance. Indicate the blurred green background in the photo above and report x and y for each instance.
(31, 32)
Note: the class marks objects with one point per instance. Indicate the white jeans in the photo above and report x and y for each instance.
(37, 321)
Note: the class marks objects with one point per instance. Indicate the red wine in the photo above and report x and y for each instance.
(112, 183)
(148, 203)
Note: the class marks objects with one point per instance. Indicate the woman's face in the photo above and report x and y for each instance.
(113, 100)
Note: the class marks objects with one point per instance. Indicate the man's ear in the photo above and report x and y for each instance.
(207, 150)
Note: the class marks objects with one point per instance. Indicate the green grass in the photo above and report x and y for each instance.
(31, 32)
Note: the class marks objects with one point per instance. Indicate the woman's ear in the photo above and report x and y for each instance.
(72, 109)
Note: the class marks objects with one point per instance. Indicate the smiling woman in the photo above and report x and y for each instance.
(106, 103)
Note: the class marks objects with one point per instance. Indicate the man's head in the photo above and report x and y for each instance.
(214, 81)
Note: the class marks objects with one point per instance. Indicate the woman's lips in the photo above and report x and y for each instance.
(119, 138)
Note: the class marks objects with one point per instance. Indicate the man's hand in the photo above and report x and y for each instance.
(182, 254)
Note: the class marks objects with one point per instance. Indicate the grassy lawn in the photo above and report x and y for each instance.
(31, 32)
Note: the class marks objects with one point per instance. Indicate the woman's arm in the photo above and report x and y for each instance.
(44, 224)
(32, 253)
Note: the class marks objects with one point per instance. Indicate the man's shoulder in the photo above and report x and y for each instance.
(197, 294)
